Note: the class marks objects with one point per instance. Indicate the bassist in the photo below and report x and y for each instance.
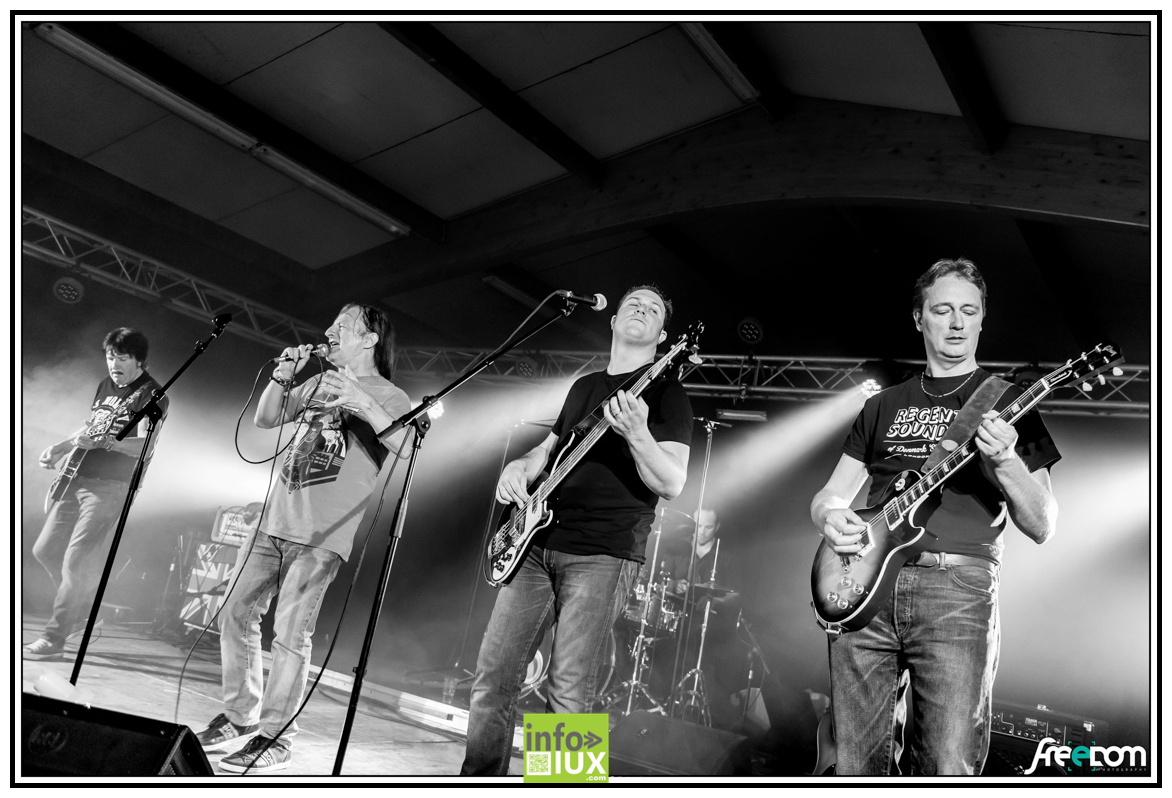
(70, 544)
(941, 622)
(580, 568)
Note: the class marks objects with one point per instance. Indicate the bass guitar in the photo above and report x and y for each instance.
(848, 588)
(508, 546)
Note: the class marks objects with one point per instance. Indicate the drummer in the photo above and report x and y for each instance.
(679, 557)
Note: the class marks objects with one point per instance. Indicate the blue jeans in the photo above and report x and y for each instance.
(581, 596)
(70, 549)
(298, 575)
(941, 624)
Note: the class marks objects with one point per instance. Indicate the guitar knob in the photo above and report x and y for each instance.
(846, 581)
(857, 590)
(832, 598)
(842, 604)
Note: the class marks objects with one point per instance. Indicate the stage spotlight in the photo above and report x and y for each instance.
(436, 411)
(732, 414)
(526, 366)
(870, 387)
(750, 330)
(68, 290)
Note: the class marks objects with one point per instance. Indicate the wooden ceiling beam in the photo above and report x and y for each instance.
(463, 71)
(737, 43)
(825, 153)
(956, 56)
(162, 69)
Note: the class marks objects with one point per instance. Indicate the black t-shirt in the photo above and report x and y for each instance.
(110, 412)
(603, 507)
(896, 432)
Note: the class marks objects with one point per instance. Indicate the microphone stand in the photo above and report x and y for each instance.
(374, 521)
(754, 653)
(154, 413)
(681, 645)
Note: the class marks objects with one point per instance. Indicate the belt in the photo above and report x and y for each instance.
(939, 559)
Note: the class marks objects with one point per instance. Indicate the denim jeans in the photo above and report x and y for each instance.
(941, 624)
(581, 596)
(298, 575)
(70, 549)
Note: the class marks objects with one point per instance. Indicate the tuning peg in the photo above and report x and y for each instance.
(1118, 372)
(1102, 380)
(695, 359)
(1086, 387)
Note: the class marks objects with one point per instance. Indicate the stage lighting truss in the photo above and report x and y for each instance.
(86, 255)
(736, 377)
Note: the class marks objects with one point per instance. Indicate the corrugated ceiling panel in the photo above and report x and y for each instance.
(70, 106)
(467, 163)
(179, 162)
(355, 91)
(638, 94)
(306, 228)
(875, 63)
(223, 51)
(522, 54)
(1071, 80)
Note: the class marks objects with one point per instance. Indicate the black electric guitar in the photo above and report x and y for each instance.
(507, 548)
(848, 588)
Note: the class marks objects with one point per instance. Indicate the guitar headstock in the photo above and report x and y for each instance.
(1097, 360)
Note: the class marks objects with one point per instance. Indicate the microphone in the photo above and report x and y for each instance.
(714, 423)
(596, 302)
(321, 350)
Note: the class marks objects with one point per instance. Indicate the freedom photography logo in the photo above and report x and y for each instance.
(1119, 759)
(566, 748)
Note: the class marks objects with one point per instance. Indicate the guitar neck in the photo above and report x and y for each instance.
(963, 454)
(574, 457)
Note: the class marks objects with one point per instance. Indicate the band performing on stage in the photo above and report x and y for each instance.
(622, 604)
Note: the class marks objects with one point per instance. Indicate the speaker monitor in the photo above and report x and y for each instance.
(64, 739)
(649, 744)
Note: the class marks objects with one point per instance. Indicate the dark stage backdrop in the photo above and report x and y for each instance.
(1075, 612)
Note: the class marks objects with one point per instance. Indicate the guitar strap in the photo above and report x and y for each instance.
(964, 426)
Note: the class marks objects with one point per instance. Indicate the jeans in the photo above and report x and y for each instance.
(298, 575)
(581, 596)
(942, 625)
(70, 548)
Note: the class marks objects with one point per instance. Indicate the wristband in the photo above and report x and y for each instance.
(284, 382)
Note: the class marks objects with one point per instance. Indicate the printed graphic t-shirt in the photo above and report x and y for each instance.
(603, 507)
(330, 468)
(897, 430)
(110, 412)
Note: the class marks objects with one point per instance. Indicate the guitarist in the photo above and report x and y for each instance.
(941, 621)
(70, 544)
(580, 568)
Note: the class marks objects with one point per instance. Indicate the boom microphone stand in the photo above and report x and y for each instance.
(373, 519)
(154, 413)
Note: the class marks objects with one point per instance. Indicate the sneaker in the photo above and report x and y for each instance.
(222, 731)
(43, 649)
(256, 758)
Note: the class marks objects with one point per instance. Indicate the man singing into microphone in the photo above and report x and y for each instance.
(306, 531)
(580, 568)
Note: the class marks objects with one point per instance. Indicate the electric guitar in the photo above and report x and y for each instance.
(507, 548)
(848, 588)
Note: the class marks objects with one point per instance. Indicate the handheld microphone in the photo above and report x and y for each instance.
(321, 350)
(596, 302)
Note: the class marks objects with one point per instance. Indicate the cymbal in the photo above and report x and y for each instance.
(709, 589)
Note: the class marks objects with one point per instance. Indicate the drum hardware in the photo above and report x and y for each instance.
(693, 703)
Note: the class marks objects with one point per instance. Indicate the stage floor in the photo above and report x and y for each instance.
(131, 672)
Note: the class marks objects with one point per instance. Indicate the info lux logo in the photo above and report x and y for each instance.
(566, 748)
(1096, 756)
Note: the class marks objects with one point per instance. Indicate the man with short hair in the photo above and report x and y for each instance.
(70, 545)
(941, 622)
(306, 531)
(580, 568)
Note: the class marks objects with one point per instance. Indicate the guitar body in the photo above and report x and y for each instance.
(64, 477)
(848, 589)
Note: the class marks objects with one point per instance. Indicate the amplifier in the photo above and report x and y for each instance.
(1017, 728)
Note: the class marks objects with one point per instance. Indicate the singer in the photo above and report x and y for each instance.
(306, 532)
(97, 475)
(580, 568)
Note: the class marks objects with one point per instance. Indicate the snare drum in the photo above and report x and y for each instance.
(663, 619)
